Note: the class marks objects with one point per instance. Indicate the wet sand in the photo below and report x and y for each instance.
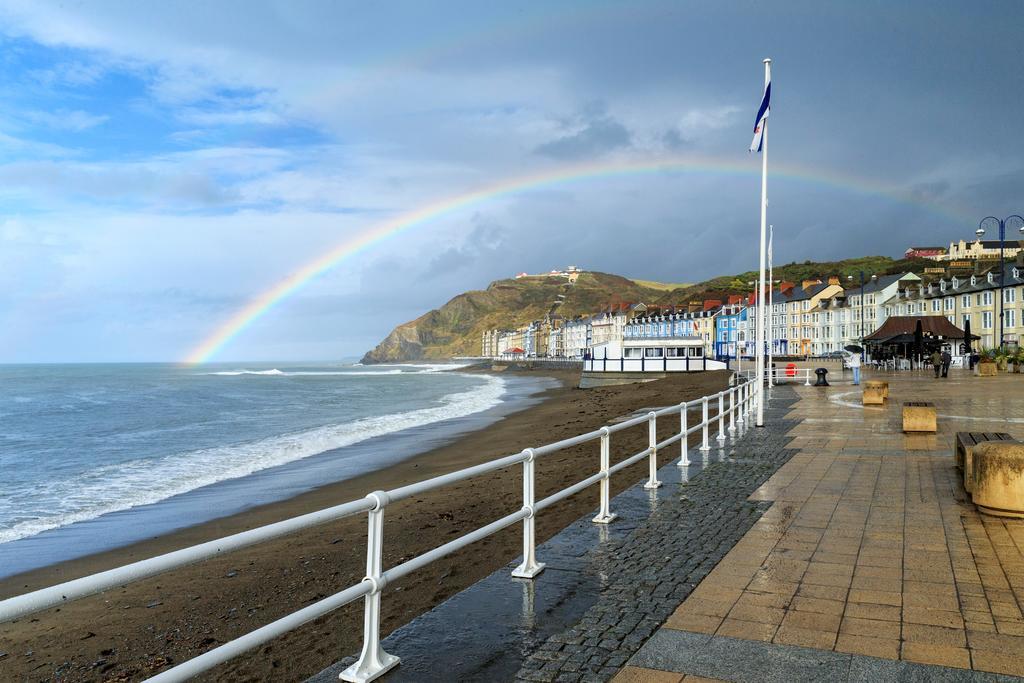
(137, 630)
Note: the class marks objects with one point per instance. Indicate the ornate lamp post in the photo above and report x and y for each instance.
(992, 222)
(849, 278)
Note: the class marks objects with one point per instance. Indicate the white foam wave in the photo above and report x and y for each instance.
(235, 373)
(397, 369)
(112, 488)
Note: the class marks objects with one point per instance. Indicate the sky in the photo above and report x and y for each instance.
(163, 164)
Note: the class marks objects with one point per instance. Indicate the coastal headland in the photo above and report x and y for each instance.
(147, 626)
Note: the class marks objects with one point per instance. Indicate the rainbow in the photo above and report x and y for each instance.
(268, 299)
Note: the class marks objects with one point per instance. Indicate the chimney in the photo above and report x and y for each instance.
(833, 279)
(807, 283)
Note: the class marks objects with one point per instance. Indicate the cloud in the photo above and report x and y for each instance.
(63, 119)
(594, 134)
(696, 121)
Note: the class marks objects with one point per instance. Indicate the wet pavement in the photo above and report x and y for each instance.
(872, 562)
(606, 588)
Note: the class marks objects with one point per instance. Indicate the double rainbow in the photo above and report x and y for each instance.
(268, 299)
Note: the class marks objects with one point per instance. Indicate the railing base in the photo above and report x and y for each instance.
(605, 519)
(364, 671)
(525, 571)
(651, 485)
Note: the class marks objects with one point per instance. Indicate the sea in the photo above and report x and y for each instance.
(95, 456)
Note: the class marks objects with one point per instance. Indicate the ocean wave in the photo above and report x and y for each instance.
(112, 488)
(235, 373)
(413, 369)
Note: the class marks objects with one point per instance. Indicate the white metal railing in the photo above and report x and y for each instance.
(734, 404)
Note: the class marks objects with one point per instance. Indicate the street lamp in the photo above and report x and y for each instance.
(849, 278)
(992, 222)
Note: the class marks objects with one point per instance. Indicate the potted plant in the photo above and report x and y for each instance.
(1018, 360)
(987, 363)
(1002, 359)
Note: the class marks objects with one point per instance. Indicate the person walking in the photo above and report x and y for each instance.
(937, 362)
(947, 359)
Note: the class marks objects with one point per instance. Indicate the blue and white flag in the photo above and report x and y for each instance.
(762, 118)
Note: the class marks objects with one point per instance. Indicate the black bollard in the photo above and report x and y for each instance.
(822, 382)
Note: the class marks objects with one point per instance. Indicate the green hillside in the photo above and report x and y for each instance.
(455, 329)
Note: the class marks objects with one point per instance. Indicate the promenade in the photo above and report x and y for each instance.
(871, 563)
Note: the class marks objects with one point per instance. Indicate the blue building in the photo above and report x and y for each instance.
(731, 336)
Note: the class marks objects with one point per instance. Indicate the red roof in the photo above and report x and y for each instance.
(515, 350)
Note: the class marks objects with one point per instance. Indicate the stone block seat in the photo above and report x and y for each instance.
(878, 384)
(919, 416)
(963, 450)
(873, 395)
(998, 478)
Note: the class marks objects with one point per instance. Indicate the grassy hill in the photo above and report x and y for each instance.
(455, 329)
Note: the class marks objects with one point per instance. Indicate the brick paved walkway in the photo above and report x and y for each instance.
(870, 548)
(661, 562)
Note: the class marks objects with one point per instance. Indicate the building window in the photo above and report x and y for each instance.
(1010, 318)
(986, 320)
(654, 353)
(632, 352)
(1009, 295)
(696, 352)
(948, 303)
(987, 298)
(936, 305)
(965, 301)
(675, 353)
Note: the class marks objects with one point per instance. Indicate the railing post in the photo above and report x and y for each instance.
(807, 374)
(721, 417)
(732, 409)
(652, 446)
(684, 455)
(605, 515)
(530, 567)
(373, 662)
(704, 445)
(743, 403)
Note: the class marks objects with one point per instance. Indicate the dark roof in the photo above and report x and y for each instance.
(926, 249)
(876, 285)
(936, 325)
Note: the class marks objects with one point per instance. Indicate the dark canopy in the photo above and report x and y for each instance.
(901, 329)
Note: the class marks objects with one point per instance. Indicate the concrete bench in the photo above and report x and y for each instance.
(998, 478)
(963, 451)
(872, 395)
(919, 416)
(878, 384)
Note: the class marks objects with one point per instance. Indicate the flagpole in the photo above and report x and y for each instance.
(771, 317)
(760, 292)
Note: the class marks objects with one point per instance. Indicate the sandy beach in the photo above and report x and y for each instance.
(138, 630)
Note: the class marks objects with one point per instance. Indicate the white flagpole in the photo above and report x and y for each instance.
(771, 309)
(760, 292)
